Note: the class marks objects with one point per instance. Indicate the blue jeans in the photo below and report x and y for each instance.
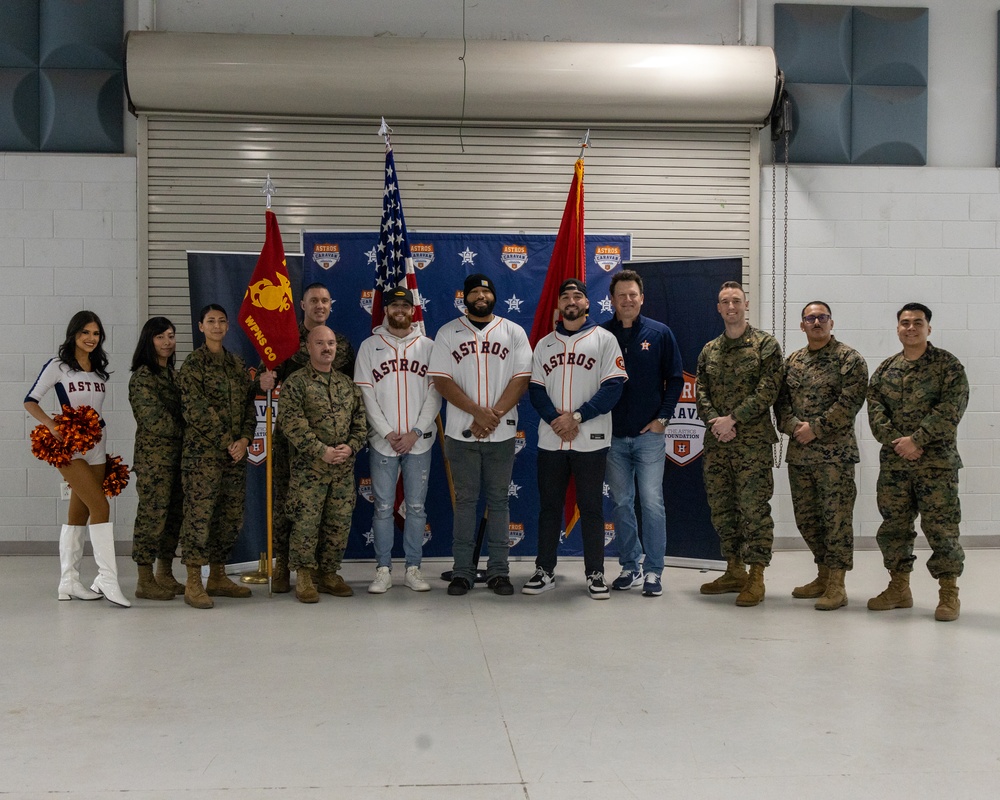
(638, 458)
(480, 468)
(385, 473)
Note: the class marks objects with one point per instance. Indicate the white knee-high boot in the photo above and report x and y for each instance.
(70, 556)
(102, 537)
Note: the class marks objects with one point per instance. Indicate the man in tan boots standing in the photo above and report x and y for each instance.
(824, 389)
(916, 399)
(739, 375)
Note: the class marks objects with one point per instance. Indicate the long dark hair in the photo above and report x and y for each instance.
(67, 350)
(145, 349)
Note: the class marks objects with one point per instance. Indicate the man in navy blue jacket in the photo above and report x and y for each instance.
(655, 380)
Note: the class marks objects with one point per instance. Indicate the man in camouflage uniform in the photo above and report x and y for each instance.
(916, 399)
(323, 416)
(316, 305)
(739, 374)
(823, 391)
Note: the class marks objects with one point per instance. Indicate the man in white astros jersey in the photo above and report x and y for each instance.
(481, 364)
(577, 377)
(401, 404)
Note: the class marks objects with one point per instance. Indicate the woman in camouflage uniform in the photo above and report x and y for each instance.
(155, 396)
(217, 398)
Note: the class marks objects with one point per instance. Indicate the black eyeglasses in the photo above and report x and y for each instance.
(811, 318)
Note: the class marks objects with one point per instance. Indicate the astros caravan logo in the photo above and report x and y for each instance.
(427, 534)
(608, 257)
(422, 255)
(367, 300)
(609, 533)
(519, 442)
(256, 451)
(685, 435)
(266, 295)
(460, 302)
(326, 255)
(514, 256)
(365, 489)
(516, 533)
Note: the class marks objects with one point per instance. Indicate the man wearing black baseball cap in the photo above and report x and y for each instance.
(481, 365)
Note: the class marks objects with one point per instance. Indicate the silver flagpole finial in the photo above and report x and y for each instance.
(584, 142)
(384, 131)
(268, 189)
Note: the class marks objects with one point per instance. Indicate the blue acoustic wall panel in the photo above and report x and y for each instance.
(814, 42)
(821, 119)
(889, 125)
(890, 46)
(18, 109)
(61, 85)
(80, 35)
(81, 110)
(18, 33)
(873, 63)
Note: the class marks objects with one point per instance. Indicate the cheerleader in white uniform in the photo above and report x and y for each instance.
(79, 378)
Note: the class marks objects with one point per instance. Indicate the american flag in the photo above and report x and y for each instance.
(394, 266)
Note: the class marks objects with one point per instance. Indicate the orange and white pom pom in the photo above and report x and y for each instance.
(115, 476)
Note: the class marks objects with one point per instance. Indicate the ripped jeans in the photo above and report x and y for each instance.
(385, 473)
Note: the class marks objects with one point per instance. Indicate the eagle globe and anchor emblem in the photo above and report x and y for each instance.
(264, 294)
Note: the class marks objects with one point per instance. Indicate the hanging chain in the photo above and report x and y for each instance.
(778, 448)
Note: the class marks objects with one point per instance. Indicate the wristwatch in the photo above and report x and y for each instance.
(664, 421)
(578, 417)
(420, 433)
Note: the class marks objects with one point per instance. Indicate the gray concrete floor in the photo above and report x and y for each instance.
(407, 696)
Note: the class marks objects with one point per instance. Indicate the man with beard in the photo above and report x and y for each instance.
(576, 378)
(401, 404)
(481, 364)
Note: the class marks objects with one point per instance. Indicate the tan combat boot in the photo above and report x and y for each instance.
(753, 592)
(305, 589)
(332, 583)
(281, 579)
(835, 595)
(896, 594)
(165, 576)
(147, 588)
(194, 592)
(732, 580)
(948, 602)
(219, 585)
(815, 587)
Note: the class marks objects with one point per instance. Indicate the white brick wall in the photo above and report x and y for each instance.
(67, 242)
(868, 239)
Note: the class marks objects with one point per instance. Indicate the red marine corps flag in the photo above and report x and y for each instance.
(267, 315)
(568, 261)
(568, 258)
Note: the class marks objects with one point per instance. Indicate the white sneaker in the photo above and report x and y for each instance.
(415, 580)
(596, 586)
(382, 582)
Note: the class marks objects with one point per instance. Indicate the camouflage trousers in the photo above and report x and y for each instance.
(320, 507)
(281, 471)
(160, 514)
(214, 493)
(933, 494)
(740, 484)
(823, 497)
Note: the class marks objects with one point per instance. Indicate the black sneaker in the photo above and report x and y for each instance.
(459, 586)
(500, 584)
(540, 582)
(597, 587)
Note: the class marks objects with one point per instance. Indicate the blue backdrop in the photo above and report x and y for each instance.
(681, 293)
